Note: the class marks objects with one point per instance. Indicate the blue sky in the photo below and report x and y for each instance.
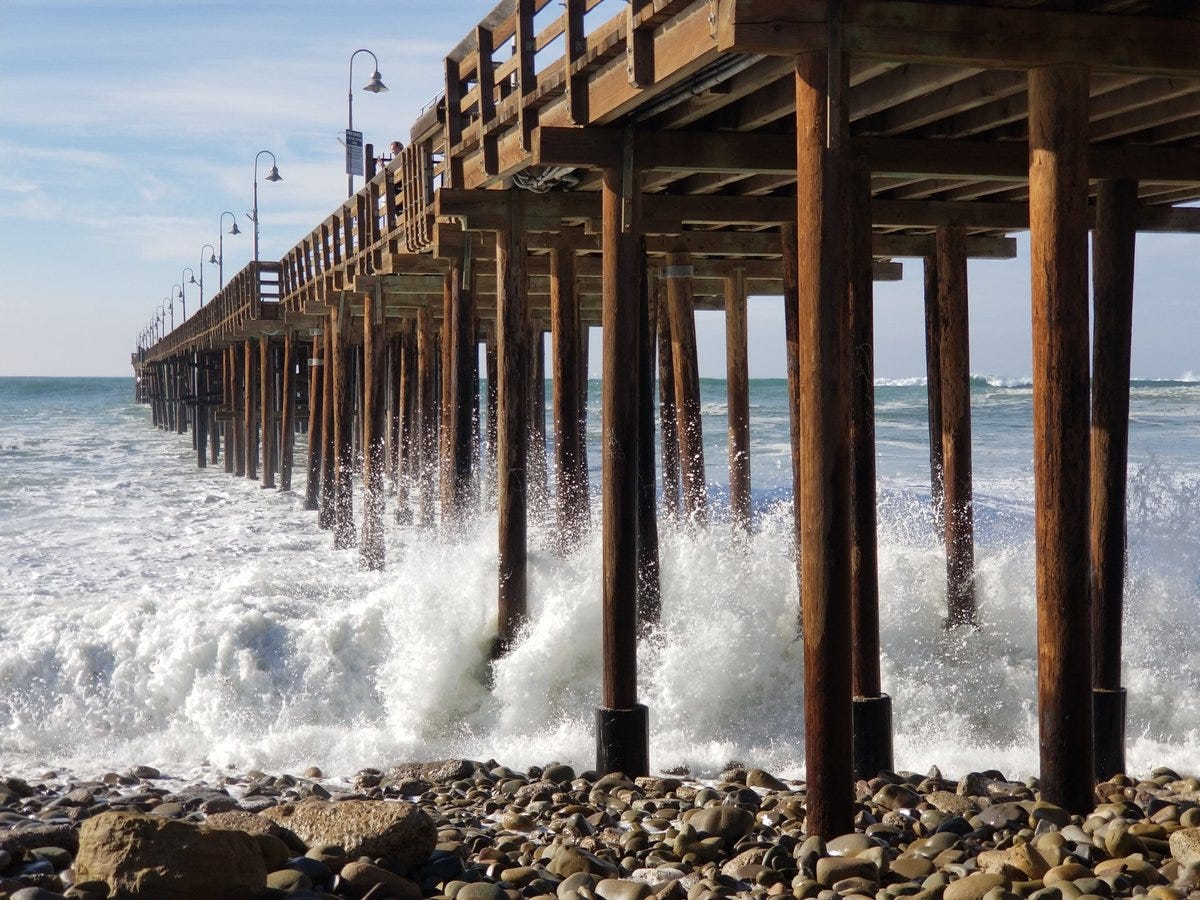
(128, 126)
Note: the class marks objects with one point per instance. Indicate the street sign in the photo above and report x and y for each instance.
(354, 152)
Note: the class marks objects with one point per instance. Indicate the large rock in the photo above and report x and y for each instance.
(439, 771)
(152, 858)
(730, 823)
(1185, 845)
(360, 827)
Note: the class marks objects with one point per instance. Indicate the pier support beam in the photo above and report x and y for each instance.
(328, 466)
(228, 418)
(821, 128)
(287, 411)
(267, 372)
(512, 424)
(649, 580)
(687, 385)
(252, 409)
(492, 366)
(316, 406)
(237, 354)
(1058, 220)
(790, 266)
(872, 713)
(343, 427)
(460, 375)
(564, 328)
(622, 734)
(409, 408)
(427, 449)
(933, 390)
(737, 400)
(201, 378)
(954, 355)
(374, 425)
(668, 424)
(1112, 272)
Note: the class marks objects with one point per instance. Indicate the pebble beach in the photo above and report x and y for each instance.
(472, 830)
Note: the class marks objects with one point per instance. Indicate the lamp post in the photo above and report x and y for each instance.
(233, 229)
(212, 259)
(375, 86)
(183, 284)
(273, 176)
(162, 307)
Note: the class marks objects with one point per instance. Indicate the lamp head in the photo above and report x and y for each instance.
(192, 280)
(274, 176)
(212, 259)
(233, 229)
(376, 85)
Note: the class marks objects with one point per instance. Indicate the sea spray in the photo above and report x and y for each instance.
(156, 613)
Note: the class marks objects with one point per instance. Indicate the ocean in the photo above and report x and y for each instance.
(154, 613)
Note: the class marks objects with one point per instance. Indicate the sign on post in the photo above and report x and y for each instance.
(354, 152)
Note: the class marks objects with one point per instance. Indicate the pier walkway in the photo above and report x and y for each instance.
(589, 169)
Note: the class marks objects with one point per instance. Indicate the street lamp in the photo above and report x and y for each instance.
(162, 311)
(233, 229)
(176, 291)
(375, 86)
(273, 176)
(183, 284)
(212, 259)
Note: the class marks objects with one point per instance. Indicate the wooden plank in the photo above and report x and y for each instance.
(1058, 250)
(576, 40)
(968, 35)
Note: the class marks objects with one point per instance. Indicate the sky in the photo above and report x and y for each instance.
(128, 126)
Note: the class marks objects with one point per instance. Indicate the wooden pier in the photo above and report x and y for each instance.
(584, 169)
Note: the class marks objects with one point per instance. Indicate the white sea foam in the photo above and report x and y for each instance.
(191, 620)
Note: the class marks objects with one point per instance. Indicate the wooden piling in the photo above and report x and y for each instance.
(538, 486)
(327, 514)
(667, 422)
(933, 391)
(464, 360)
(687, 386)
(824, 430)
(954, 355)
(1058, 220)
(228, 406)
(622, 739)
(237, 354)
(287, 412)
(427, 455)
(790, 269)
(491, 364)
(564, 328)
(1112, 272)
(872, 709)
(343, 427)
(409, 411)
(200, 431)
(252, 409)
(374, 424)
(316, 406)
(266, 382)
(737, 393)
(649, 574)
(512, 432)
